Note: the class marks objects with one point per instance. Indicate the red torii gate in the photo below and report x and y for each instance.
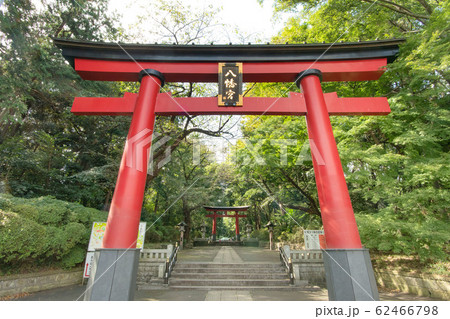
(214, 216)
(348, 268)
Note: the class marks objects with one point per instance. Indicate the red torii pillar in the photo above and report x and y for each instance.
(348, 268)
(214, 227)
(238, 235)
(114, 271)
(341, 231)
(130, 186)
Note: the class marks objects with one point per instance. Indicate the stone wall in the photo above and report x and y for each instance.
(437, 287)
(152, 265)
(307, 266)
(150, 273)
(12, 285)
(312, 272)
(423, 285)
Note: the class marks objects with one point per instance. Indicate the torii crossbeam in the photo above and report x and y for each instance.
(349, 271)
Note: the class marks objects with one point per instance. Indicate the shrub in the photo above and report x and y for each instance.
(384, 232)
(74, 257)
(170, 233)
(44, 230)
(153, 235)
(295, 236)
(261, 234)
(20, 238)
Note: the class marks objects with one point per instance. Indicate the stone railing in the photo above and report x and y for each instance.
(292, 246)
(307, 266)
(152, 265)
(156, 255)
(306, 256)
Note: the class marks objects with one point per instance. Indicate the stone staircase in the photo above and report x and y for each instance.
(229, 276)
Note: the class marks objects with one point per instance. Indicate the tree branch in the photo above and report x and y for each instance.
(59, 29)
(398, 8)
(302, 208)
(310, 210)
(395, 24)
(427, 7)
(315, 209)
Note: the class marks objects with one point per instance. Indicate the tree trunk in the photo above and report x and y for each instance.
(187, 219)
(107, 201)
(258, 220)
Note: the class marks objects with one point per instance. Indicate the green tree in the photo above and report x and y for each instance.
(181, 189)
(43, 147)
(396, 166)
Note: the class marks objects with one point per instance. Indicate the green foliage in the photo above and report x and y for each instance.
(44, 149)
(73, 257)
(30, 82)
(385, 232)
(260, 234)
(43, 230)
(396, 166)
(154, 236)
(179, 192)
(275, 155)
(292, 236)
(179, 22)
(20, 239)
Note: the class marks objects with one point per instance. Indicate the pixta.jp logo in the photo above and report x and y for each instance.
(139, 154)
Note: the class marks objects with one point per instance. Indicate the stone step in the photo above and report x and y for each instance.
(152, 282)
(209, 275)
(228, 270)
(228, 282)
(145, 267)
(231, 275)
(234, 266)
(291, 288)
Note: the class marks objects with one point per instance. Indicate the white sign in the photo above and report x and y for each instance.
(312, 239)
(141, 235)
(88, 264)
(98, 231)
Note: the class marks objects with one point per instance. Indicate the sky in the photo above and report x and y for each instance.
(248, 16)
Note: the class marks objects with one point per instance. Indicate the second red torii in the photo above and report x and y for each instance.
(214, 216)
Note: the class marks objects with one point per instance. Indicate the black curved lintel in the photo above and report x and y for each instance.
(72, 49)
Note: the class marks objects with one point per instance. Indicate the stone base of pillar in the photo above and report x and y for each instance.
(349, 275)
(113, 275)
(214, 237)
(238, 237)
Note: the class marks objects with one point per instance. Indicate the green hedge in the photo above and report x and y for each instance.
(43, 231)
